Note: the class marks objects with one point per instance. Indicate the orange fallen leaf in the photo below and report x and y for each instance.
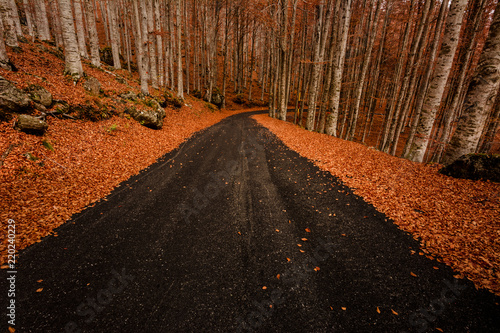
(378, 310)
(394, 312)
(239, 233)
(39, 281)
(277, 230)
(302, 251)
(331, 307)
(299, 245)
(264, 287)
(278, 276)
(439, 329)
(39, 290)
(288, 259)
(304, 239)
(308, 230)
(270, 305)
(343, 308)
(316, 268)
(413, 274)
(12, 330)
(435, 267)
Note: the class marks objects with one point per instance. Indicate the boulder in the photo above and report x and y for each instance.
(217, 98)
(152, 118)
(129, 95)
(12, 100)
(30, 124)
(475, 167)
(39, 94)
(93, 85)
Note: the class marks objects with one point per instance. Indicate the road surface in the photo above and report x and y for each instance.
(233, 232)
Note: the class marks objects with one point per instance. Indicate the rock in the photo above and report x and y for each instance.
(12, 100)
(149, 118)
(61, 106)
(30, 124)
(93, 85)
(129, 95)
(217, 98)
(39, 94)
(475, 167)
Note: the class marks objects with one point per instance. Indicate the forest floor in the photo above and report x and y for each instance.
(86, 160)
(457, 221)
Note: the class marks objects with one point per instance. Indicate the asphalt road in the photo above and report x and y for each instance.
(235, 232)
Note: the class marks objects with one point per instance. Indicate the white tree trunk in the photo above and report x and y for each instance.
(480, 97)
(29, 18)
(151, 44)
(4, 58)
(139, 45)
(437, 85)
(114, 34)
(92, 30)
(42, 21)
(71, 52)
(15, 17)
(8, 24)
(159, 42)
(56, 22)
(180, 87)
(80, 32)
(332, 118)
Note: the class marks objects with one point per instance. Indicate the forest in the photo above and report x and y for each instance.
(415, 79)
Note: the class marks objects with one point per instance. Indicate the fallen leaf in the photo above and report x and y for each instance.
(299, 244)
(440, 330)
(435, 267)
(413, 274)
(11, 330)
(39, 281)
(394, 312)
(331, 308)
(288, 259)
(277, 230)
(302, 251)
(304, 239)
(378, 310)
(343, 308)
(316, 268)
(39, 290)
(239, 233)
(278, 276)
(308, 230)
(264, 287)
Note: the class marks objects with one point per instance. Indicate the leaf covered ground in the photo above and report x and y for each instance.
(46, 179)
(457, 221)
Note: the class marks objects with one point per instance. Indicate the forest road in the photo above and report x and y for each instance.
(234, 232)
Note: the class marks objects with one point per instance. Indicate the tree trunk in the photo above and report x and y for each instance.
(480, 96)
(56, 22)
(73, 62)
(180, 87)
(114, 33)
(93, 37)
(42, 22)
(9, 26)
(332, 118)
(139, 46)
(437, 85)
(80, 32)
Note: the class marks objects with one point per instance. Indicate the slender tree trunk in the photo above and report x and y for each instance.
(71, 53)
(332, 118)
(139, 49)
(56, 22)
(4, 58)
(364, 71)
(29, 18)
(180, 87)
(9, 26)
(440, 77)
(80, 32)
(42, 22)
(93, 37)
(480, 96)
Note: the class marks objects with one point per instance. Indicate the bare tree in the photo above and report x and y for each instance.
(71, 52)
(480, 97)
(92, 30)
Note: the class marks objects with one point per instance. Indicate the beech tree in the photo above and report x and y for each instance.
(480, 97)
(92, 31)
(440, 77)
(71, 52)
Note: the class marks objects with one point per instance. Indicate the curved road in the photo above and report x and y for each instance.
(233, 232)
